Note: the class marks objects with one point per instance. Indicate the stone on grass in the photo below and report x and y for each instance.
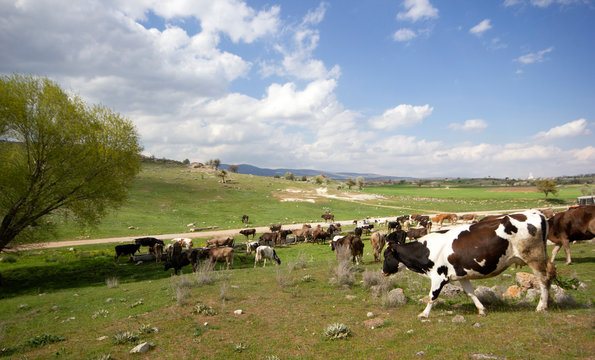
(238, 312)
(450, 290)
(370, 314)
(561, 297)
(513, 292)
(486, 295)
(459, 319)
(527, 281)
(397, 296)
(142, 348)
(373, 323)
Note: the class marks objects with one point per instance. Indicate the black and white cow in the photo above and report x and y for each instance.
(264, 253)
(477, 251)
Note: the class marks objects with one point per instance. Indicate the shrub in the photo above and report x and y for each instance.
(204, 310)
(123, 337)
(204, 273)
(337, 331)
(9, 259)
(300, 261)
(42, 340)
(111, 282)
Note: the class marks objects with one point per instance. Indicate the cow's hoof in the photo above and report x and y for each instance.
(422, 316)
(481, 313)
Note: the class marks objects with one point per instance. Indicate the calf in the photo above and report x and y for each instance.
(158, 251)
(252, 246)
(264, 253)
(245, 219)
(219, 254)
(570, 225)
(393, 225)
(275, 227)
(477, 251)
(220, 240)
(353, 244)
(321, 235)
(283, 236)
(176, 258)
(247, 232)
(270, 237)
(378, 239)
(126, 249)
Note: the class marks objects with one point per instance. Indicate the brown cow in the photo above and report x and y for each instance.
(217, 255)
(275, 227)
(570, 225)
(328, 217)
(469, 217)
(353, 244)
(270, 237)
(378, 239)
(247, 232)
(417, 233)
(220, 240)
(448, 216)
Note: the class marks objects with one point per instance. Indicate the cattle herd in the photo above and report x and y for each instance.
(473, 249)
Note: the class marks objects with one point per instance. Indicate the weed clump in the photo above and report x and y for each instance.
(111, 282)
(204, 273)
(123, 337)
(344, 272)
(204, 310)
(45, 339)
(337, 331)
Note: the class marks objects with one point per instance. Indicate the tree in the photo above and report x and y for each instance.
(233, 168)
(216, 163)
(360, 182)
(58, 154)
(186, 162)
(546, 186)
(419, 183)
(349, 182)
(289, 176)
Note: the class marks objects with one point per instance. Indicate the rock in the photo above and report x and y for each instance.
(485, 357)
(450, 290)
(238, 312)
(486, 295)
(142, 348)
(55, 308)
(131, 227)
(561, 297)
(109, 300)
(476, 325)
(373, 323)
(421, 353)
(527, 281)
(350, 297)
(513, 292)
(410, 331)
(101, 338)
(397, 296)
(370, 314)
(532, 294)
(459, 319)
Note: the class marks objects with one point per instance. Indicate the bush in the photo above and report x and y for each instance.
(123, 337)
(42, 340)
(337, 331)
(204, 310)
(9, 259)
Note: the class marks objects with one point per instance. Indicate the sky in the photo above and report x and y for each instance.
(419, 88)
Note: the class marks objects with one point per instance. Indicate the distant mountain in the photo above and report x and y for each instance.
(254, 170)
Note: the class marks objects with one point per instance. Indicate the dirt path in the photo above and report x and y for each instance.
(204, 234)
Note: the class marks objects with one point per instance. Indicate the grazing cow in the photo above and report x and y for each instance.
(126, 249)
(393, 225)
(176, 258)
(469, 217)
(245, 219)
(247, 232)
(403, 218)
(321, 235)
(441, 217)
(219, 254)
(149, 241)
(333, 228)
(419, 218)
(283, 236)
(220, 240)
(353, 244)
(417, 233)
(185, 242)
(477, 251)
(328, 217)
(367, 228)
(158, 251)
(570, 225)
(378, 239)
(275, 227)
(264, 253)
(270, 237)
(252, 246)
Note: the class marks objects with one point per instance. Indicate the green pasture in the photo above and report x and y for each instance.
(64, 294)
(165, 198)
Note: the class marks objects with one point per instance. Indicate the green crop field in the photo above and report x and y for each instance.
(75, 303)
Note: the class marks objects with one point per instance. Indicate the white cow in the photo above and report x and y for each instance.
(264, 253)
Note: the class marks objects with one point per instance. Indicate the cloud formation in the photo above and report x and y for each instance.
(536, 57)
(570, 129)
(470, 125)
(404, 34)
(480, 28)
(417, 10)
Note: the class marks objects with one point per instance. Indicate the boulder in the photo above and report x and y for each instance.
(527, 281)
(397, 296)
(142, 348)
(450, 290)
(486, 295)
(513, 292)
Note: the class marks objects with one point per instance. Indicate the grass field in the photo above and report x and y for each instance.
(166, 197)
(57, 293)
(58, 303)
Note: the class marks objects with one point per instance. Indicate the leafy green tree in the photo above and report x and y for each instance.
(546, 186)
(222, 174)
(360, 182)
(233, 168)
(349, 182)
(59, 155)
(419, 183)
(186, 162)
(289, 176)
(216, 163)
(318, 180)
(304, 178)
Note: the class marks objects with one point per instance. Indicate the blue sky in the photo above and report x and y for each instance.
(416, 88)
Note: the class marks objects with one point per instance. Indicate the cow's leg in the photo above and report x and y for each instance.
(437, 283)
(555, 252)
(545, 273)
(566, 244)
(471, 292)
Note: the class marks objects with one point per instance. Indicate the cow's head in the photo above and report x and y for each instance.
(276, 258)
(391, 260)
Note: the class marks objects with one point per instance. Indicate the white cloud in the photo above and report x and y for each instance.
(480, 28)
(404, 34)
(470, 125)
(401, 116)
(534, 57)
(542, 3)
(570, 129)
(417, 10)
